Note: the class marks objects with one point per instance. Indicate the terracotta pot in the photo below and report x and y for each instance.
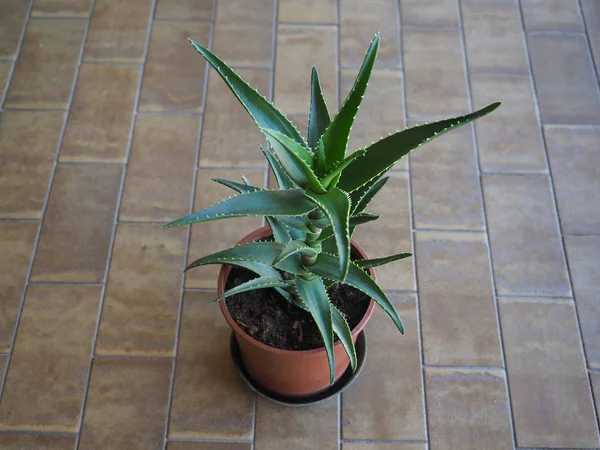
(292, 373)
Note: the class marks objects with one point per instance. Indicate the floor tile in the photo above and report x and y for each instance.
(184, 10)
(429, 13)
(126, 404)
(44, 73)
(25, 175)
(308, 11)
(206, 446)
(163, 150)
(551, 15)
(247, 21)
(36, 442)
(5, 68)
(227, 124)
(458, 315)
(72, 250)
(16, 245)
(509, 139)
(11, 26)
(566, 87)
(55, 337)
(493, 36)
(61, 8)
(205, 377)
(591, 15)
(595, 377)
(382, 446)
(210, 237)
(118, 31)
(574, 160)
(99, 122)
(299, 47)
(466, 409)
(371, 407)
(445, 183)
(527, 253)
(435, 77)
(551, 408)
(139, 314)
(174, 74)
(359, 21)
(584, 265)
(390, 234)
(308, 428)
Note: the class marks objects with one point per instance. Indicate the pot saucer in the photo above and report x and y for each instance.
(345, 380)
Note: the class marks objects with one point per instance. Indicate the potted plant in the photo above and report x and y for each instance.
(303, 275)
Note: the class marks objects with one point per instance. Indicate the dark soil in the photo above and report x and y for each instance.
(266, 316)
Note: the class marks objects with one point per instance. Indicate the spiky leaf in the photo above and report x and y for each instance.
(295, 247)
(238, 187)
(367, 195)
(318, 118)
(256, 283)
(280, 231)
(283, 180)
(265, 270)
(358, 219)
(367, 263)
(330, 179)
(342, 330)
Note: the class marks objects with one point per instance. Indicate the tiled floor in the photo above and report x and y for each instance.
(111, 125)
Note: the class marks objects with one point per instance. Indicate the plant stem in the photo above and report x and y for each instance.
(312, 238)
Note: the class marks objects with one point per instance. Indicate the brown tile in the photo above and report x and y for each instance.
(309, 11)
(118, 31)
(5, 67)
(551, 15)
(127, 404)
(551, 408)
(432, 13)
(453, 200)
(3, 361)
(390, 234)
(174, 74)
(205, 376)
(230, 137)
(184, 10)
(584, 264)
(381, 446)
(78, 224)
(509, 139)
(141, 303)
(299, 47)
(435, 77)
(100, 119)
(206, 446)
(55, 337)
(371, 409)
(467, 408)
(527, 253)
(574, 160)
(25, 175)
(36, 442)
(493, 36)
(61, 8)
(591, 15)
(218, 235)
(359, 21)
(458, 316)
(163, 150)
(43, 76)
(566, 87)
(16, 245)
(308, 428)
(11, 25)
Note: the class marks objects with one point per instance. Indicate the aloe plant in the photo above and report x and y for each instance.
(322, 197)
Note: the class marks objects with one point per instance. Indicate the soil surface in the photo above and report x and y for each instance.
(266, 316)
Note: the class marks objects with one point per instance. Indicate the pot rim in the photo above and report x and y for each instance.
(261, 233)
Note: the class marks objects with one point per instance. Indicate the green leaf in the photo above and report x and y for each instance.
(318, 118)
(342, 330)
(295, 160)
(260, 109)
(295, 247)
(289, 202)
(358, 219)
(238, 187)
(383, 154)
(336, 206)
(335, 138)
(367, 263)
(327, 265)
(331, 179)
(299, 223)
(256, 283)
(365, 197)
(280, 232)
(283, 180)
(265, 270)
(314, 296)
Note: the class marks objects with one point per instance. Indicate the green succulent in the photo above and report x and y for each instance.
(321, 198)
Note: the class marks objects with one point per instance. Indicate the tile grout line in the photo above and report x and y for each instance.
(412, 230)
(338, 71)
(557, 217)
(587, 41)
(385, 441)
(485, 224)
(189, 230)
(117, 206)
